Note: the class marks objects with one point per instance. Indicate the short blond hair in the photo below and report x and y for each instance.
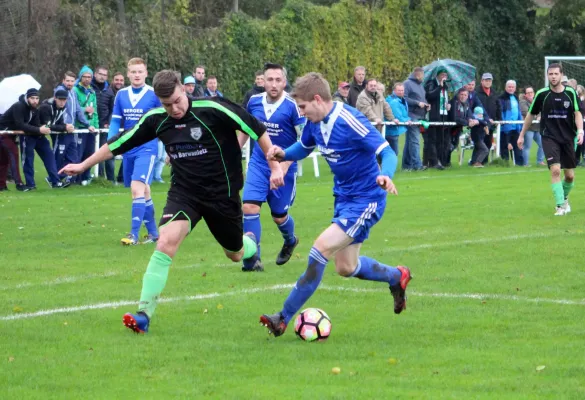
(308, 86)
(136, 61)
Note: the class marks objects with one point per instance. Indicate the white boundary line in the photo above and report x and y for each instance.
(389, 250)
(399, 179)
(115, 304)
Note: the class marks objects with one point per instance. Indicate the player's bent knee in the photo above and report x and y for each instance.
(279, 218)
(344, 268)
(167, 245)
(235, 257)
(138, 189)
(251, 207)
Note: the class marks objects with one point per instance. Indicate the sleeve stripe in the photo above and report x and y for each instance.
(206, 103)
(354, 123)
(116, 116)
(306, 147)
(382, 147)
(125, 136)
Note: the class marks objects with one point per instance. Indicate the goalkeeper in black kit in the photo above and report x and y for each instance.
(201, 139)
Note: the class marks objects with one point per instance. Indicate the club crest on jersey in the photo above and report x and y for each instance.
(567, 104)
(196, 133)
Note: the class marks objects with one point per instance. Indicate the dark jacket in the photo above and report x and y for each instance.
(255, 90)
(199, 89)
(338, 97)
(474, 101)
(414, 93)
(51, 116)
(21, 117)
(491, 106)
(460, 113)
(354, 91)
(433, 96)
(105, 102)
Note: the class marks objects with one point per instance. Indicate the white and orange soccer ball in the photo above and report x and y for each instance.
(313, 324)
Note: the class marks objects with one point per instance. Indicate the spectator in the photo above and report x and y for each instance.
(437, 137)
(257, 88)
(25, 111)
(189, 85)
(65, 146)
(105, 105)
(342, 92)
(479, 128)
(509, 133)
(572, 83)
(399, 108)
(473, 100)
(492, 110)
(88, 101)
(211, 90)
(460, 113)
(357, 85)
(415, 96)
(199, 75)
(533, 132)
(371, 103)
(117, 84)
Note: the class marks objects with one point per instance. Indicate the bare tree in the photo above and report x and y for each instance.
(235, 6)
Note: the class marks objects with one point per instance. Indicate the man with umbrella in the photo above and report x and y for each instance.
(436, 138)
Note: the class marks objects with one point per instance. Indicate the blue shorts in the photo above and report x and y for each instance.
(257, 188)
(356, 219)
(139, 167)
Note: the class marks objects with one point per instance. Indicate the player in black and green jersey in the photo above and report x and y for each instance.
(561, 128)
(200, 137)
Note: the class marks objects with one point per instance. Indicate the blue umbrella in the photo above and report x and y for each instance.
(460, 73)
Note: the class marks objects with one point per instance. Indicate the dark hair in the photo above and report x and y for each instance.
(555, 65)
(165, 82)
(101, 67)
(259, 72)
(117, 73)
(212, 77)
(418, 69)
(70, 74)
(528, 87)
(268, 66)
(199, 66)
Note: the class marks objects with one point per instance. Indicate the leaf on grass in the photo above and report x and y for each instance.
(219, 307)
(205, 311)
(335, 370)
(17, 309)
(65, 323)
(540, 368)
(392, 361)
(21, 227)
(10, 359)
(204, 274)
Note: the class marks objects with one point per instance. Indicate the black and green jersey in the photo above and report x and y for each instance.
(202, 146)
(557, 113)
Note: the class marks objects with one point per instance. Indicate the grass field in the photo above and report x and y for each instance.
(495, 311)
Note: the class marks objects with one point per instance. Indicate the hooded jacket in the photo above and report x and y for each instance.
(414, 93)
(373, 106)
(87, 97)
(21, 117)
(399, 108)
(354, 91)
(52, 116)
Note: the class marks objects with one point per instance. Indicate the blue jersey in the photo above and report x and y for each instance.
(129, 107)
(282, 119)
(350, 144)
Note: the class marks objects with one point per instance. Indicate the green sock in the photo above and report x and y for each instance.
(567, 188)
(557, 189)
(154, 282)
(250, 247)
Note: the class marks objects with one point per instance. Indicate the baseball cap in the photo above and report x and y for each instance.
(343, 85)
(487, 75)
(189, 79)
(61, 94)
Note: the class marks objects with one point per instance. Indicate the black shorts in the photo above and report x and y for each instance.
(559, 153)
(223, 217)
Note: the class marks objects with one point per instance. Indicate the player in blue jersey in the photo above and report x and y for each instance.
(284, 123)
(351, 145)
(131, 104)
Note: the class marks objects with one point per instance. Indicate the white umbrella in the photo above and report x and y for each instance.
(12, 87)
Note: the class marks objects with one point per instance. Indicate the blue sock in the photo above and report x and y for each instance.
(371, 270)
(149, 218)
(305, 286)
(287, 228)
(138, 207)
(252, 224)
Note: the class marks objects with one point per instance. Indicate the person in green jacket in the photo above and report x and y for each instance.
(88, 101)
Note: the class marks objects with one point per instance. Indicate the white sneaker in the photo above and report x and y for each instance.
(567, 207)
(560, 210)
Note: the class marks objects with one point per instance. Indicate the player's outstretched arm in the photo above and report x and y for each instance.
(101, 155)
(276, 175)
(296, 152)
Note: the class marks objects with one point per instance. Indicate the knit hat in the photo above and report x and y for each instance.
(32, 92)
(478, 110)
(85, 70)
(61, 94)
(442, 69)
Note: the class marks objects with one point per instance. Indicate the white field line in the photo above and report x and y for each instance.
(403, 177)
(115, 304)
(389, 250)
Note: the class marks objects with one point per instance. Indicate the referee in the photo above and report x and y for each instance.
(200, 137)
(561, 128)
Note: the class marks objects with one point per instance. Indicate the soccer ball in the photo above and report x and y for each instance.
(313, 324)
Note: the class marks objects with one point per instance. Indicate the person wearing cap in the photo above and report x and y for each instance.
(342, 93)
(21, 116)
(189, 85)
(437, 137)
(492, 111)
